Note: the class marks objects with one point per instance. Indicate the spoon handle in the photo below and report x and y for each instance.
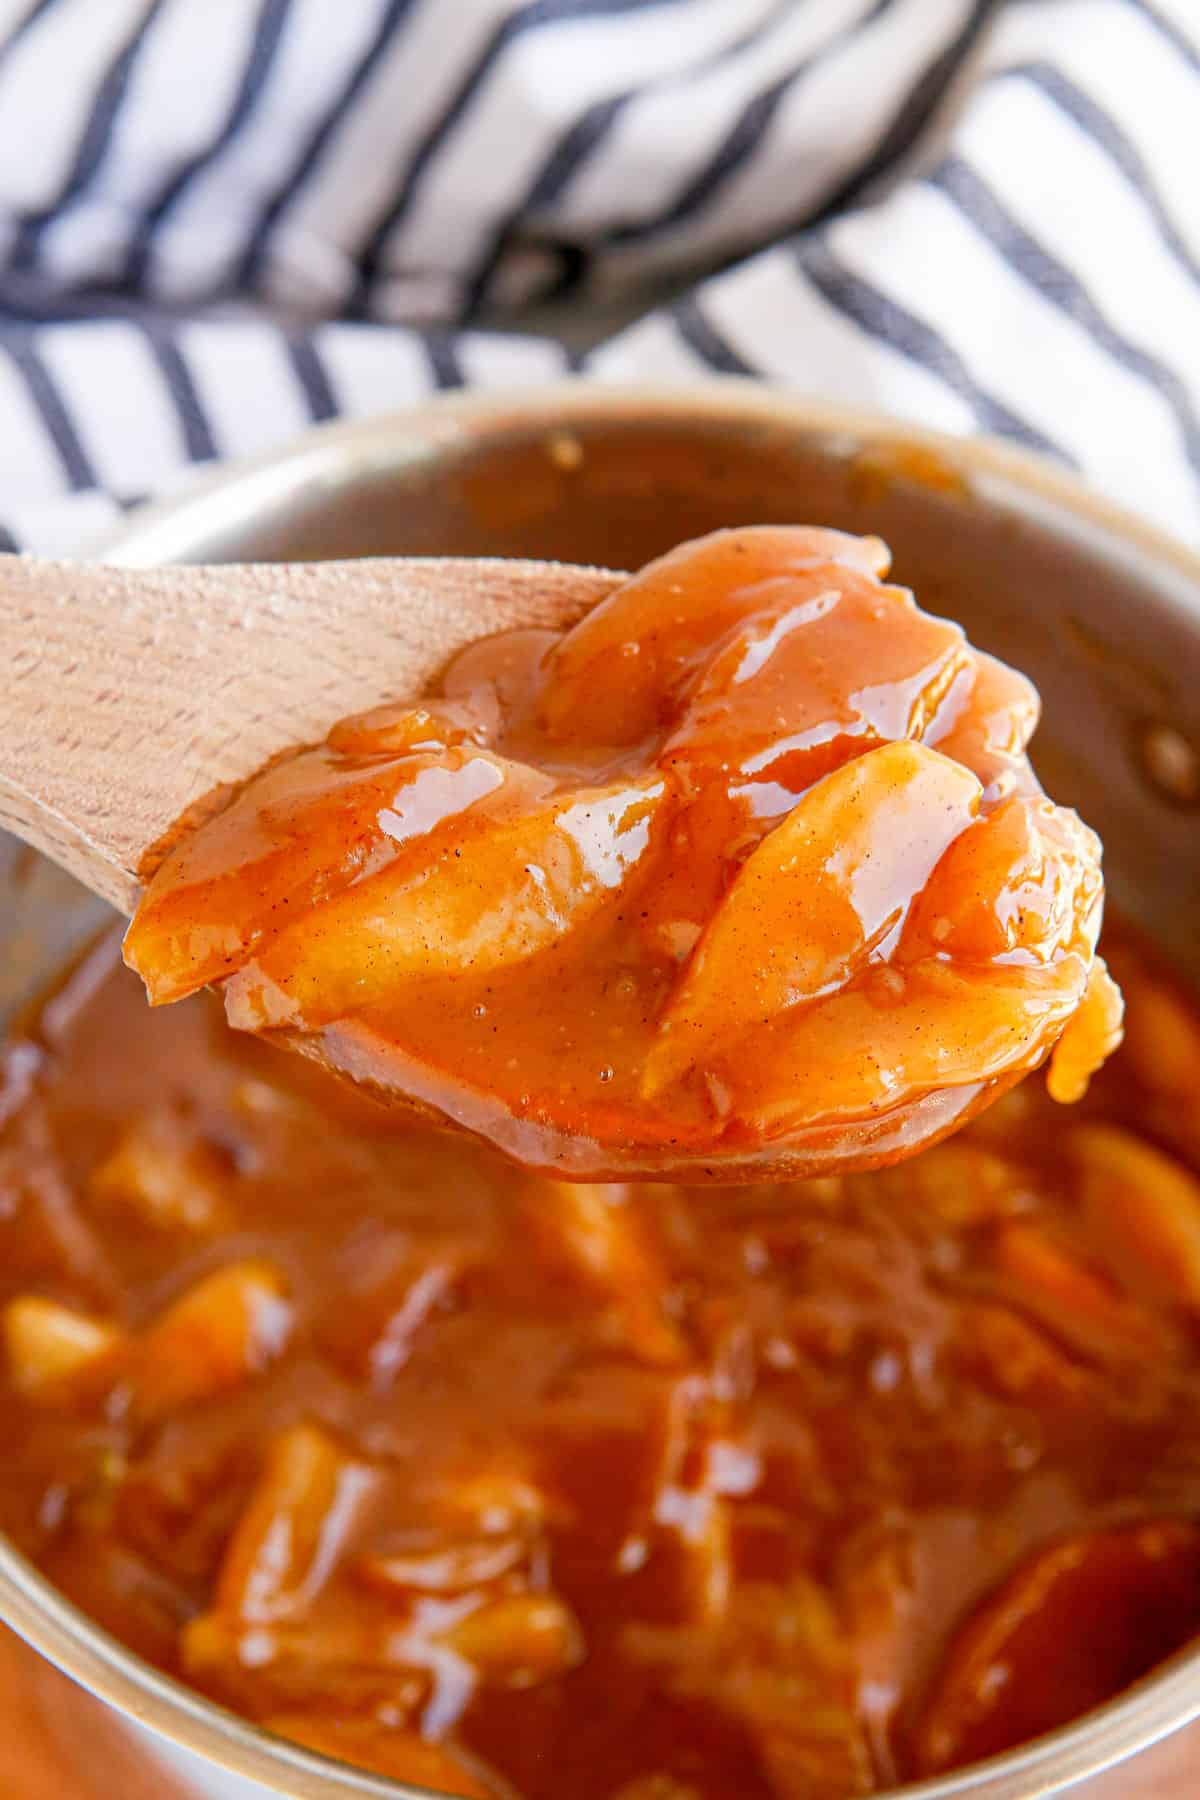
(130, 696)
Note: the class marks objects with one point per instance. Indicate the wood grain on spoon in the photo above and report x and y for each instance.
(130, 695)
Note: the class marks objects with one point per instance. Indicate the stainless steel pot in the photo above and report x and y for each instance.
(1101, 611)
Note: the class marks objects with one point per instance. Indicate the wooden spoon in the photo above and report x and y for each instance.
(132, 695)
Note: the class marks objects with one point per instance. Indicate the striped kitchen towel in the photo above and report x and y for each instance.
(221, 220)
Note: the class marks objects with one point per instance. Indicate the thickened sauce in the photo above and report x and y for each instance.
(514, 1486)
(745, 874)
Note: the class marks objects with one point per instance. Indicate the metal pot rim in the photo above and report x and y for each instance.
(332, 456)
(329, 456)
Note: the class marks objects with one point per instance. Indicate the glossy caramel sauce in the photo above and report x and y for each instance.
(513, 1486)
(747, 873)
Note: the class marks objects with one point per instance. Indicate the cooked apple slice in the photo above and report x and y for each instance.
(517, 1640)
(1073, 1298)
(778, 1665)
(490, 897)
(218, 1334)
(1078, 1622)
(1162, 1031)
(46, 1344)
(294, 1527)
(786, 699)
(899, 1034)
(399, 729)
(818, 895)
(449, 1565)
(163, 1174)
(301, 833)
(1022, 886)
(1147, 1205)
(1023, 883)
(991, 731)
(1090, 1036)
(594, 1233)
(612, 677)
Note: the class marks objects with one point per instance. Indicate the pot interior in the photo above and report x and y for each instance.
(1106, 623)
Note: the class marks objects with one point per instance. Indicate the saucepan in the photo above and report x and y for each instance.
(1101, 611)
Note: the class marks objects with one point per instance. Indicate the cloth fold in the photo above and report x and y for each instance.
(221, 223)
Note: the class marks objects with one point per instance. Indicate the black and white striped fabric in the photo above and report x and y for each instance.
(221, 220)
